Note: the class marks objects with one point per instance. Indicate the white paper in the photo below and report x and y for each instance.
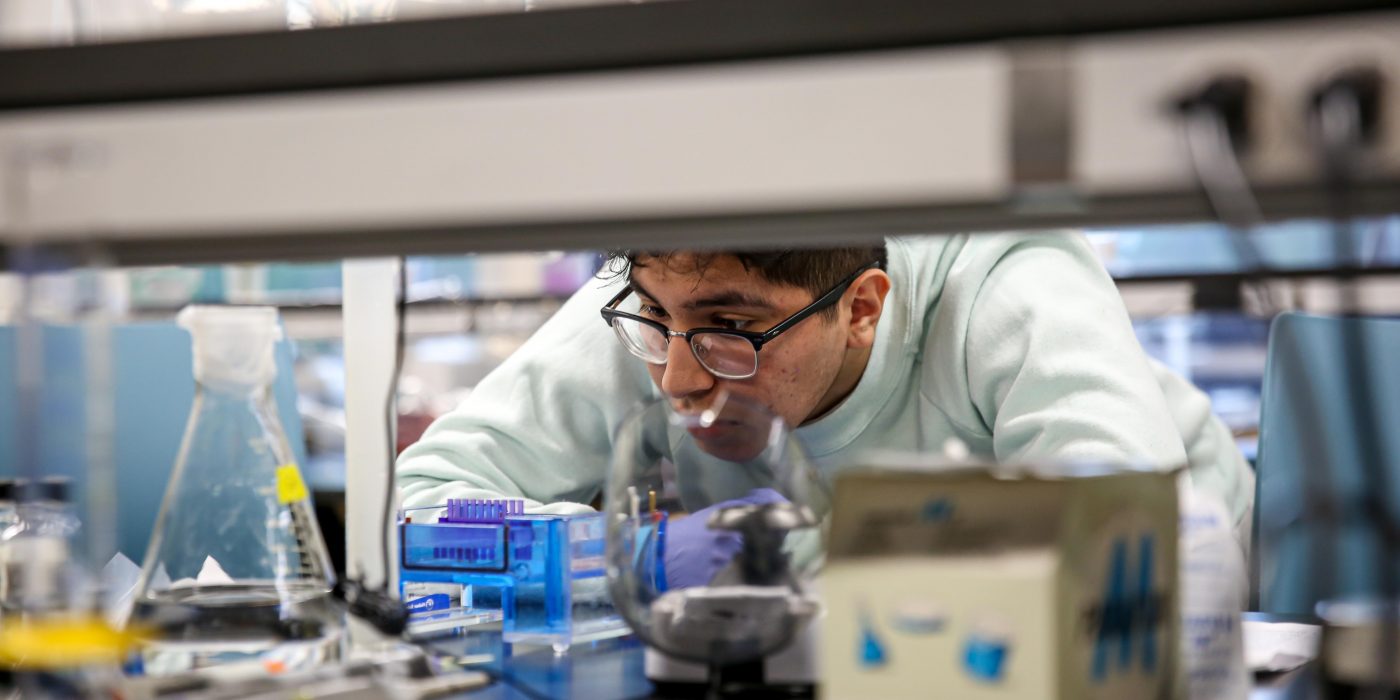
(1273, 647)
(212, 573)
(119, 579)
(160, 580)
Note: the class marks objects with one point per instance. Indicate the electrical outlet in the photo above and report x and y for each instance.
(1128, 139)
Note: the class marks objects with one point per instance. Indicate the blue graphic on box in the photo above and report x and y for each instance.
(937, 510)
(985, 657)
(1129, 615)
(872, 650)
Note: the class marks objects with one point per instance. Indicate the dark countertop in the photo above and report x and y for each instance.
(613, 670)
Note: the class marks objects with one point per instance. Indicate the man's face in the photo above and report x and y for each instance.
(795, 371)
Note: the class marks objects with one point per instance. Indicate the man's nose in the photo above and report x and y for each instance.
(684, 376)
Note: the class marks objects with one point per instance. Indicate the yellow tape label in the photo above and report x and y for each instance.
(290, 487)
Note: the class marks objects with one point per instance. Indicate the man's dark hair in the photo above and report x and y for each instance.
(816, 270)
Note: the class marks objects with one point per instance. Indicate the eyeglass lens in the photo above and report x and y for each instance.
(727, 356)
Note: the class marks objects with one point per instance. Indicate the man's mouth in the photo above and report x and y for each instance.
(717, 430)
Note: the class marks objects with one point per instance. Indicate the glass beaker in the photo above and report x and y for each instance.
(713, 532)
(236, 567)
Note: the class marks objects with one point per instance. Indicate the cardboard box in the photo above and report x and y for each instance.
(973, 585)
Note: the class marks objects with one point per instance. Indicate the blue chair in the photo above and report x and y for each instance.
(1315, 538)
(153, 383)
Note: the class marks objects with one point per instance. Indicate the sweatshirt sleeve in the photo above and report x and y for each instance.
(1055, 372)
(539, 426)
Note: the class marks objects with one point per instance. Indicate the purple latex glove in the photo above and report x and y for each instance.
(695, 553)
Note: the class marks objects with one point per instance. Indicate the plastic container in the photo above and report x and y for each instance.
(542, 576)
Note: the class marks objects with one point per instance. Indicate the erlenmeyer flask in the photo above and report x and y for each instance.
(236, 567)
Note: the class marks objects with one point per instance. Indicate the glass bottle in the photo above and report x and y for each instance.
(35, 546)
(9, 529)
(236, 567)
(9, 513)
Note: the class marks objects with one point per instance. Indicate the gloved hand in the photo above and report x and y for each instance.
(695, 553)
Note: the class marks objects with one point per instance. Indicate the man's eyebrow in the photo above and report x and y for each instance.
(640, 290)
(733, 298)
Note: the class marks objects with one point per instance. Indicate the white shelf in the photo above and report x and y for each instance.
(803, 150)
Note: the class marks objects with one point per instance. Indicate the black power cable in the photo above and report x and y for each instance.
(1216, 127)
(379, 606)
(391, 416)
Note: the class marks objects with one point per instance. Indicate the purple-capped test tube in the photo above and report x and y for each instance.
(481, 510)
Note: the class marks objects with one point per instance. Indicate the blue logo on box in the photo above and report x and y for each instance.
(429, 603)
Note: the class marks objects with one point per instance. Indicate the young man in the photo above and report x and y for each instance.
(1016, 345)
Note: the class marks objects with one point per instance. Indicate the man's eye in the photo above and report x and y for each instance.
(733, 324)
(652, 311)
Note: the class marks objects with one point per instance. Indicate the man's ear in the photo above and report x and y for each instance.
(867, 301)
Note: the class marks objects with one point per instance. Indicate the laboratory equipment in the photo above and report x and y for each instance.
(1001, 581)
(729, 486)
(482, 561)
(236, 568)
(38, 574)
(1316, 536)
(396, 671)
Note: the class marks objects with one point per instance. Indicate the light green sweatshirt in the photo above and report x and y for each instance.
(1016, 344)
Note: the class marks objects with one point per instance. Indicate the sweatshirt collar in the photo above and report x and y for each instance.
(888, 366)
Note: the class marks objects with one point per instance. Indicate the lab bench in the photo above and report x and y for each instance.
(613, 670)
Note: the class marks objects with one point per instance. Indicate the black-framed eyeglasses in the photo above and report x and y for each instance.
(725, 352)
